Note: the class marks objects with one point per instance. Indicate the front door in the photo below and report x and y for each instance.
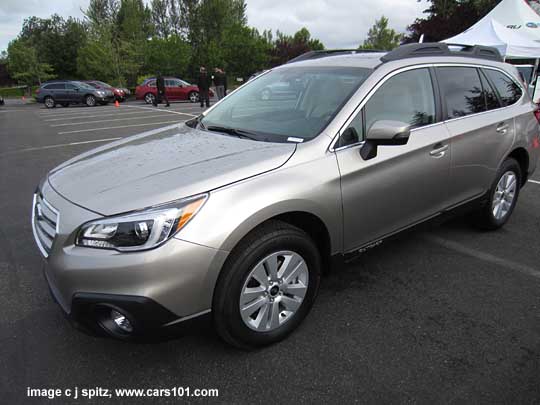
(404, 184)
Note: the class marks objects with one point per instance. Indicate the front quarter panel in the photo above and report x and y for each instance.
(303, 184)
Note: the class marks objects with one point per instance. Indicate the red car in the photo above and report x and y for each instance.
(119, 94)
(176, 89)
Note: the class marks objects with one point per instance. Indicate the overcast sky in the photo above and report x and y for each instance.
(338, 23)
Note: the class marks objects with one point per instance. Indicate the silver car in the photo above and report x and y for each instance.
(235, 215)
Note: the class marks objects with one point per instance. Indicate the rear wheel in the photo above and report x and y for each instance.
(49, 102)
(267, 286)
(90, 100)
(149, 98)
(193, 97)
(503, 196)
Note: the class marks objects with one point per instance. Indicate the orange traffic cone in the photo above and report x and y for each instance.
(116, 103)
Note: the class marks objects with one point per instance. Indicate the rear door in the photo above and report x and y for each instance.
(72, 93)
(57, 91)
(404, 184)
(482, 129)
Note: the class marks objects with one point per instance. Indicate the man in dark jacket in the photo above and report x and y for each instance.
(220, 81)
(204, 87)
(161, 94)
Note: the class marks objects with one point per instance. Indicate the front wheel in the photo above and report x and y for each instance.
(193, 97)
(503, 196)
(267, 286)
(90, 100)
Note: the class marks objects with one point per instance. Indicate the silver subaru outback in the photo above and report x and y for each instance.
(235, 214)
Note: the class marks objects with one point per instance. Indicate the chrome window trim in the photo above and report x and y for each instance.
(332, 148)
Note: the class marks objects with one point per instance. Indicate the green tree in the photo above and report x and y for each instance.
(447, 18)
(244, 51)
(381, 37)
(171, 56)
(56, 41)
(24, 65)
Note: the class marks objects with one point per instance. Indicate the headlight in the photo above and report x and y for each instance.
(140, 230)
(100, 93)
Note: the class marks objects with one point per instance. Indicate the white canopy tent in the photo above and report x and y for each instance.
(512, 27)
(489, 32)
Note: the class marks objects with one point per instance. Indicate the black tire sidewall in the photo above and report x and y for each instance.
(228, 305)
(508, 165)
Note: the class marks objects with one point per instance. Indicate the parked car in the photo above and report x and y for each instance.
(66, 92)
(176, 89)
(235, 214)
(119, 94)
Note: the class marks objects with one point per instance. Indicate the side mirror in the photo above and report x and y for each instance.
(385, 133)
(536, 92)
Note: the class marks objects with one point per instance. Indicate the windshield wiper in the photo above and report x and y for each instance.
(240, 133)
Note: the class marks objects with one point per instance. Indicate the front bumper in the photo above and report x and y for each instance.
(157, 288)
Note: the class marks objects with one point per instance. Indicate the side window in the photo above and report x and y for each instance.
(407, 97)
(151, 83)
(70, 86)
(462, 91)
(56, 86)
(169, 83)
(492, 101)
(508, 90)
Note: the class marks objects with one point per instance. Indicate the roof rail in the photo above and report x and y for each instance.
(442, 49)
(330, 52)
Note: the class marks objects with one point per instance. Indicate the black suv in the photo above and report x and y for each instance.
(66, 92)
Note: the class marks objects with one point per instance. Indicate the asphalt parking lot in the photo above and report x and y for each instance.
(443, 313)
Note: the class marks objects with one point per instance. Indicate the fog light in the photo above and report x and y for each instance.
(121, 321)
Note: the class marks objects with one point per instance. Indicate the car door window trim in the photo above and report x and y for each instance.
(332, 146)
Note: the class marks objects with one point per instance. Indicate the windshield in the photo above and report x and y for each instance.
(290, 102)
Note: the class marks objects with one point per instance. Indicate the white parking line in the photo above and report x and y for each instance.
(78, 111)
(119, 127)
(160, 109)
(111, 119)
(58, 146)
(78, 117)
(487, 257)
(534, 181)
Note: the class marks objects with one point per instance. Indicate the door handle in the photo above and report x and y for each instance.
(502, 128)
(439, 150)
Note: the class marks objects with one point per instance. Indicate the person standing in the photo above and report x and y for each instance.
(220, 81)
(161, 93)
(203, 83)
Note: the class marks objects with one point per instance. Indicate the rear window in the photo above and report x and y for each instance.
(508, 90)
(54, 86)
(462, 91)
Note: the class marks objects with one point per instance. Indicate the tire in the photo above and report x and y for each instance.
(502, 197)
(65, 105)
(280, 243)
(49, 102)
(149, 98)
(90, 100)
(193, 97)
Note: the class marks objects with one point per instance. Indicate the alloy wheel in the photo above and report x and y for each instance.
(274, 291)
(149, 98)
(504, 195)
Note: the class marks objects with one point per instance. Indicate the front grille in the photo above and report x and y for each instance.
(44, 223)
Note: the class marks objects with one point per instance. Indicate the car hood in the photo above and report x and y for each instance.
(161, 166)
